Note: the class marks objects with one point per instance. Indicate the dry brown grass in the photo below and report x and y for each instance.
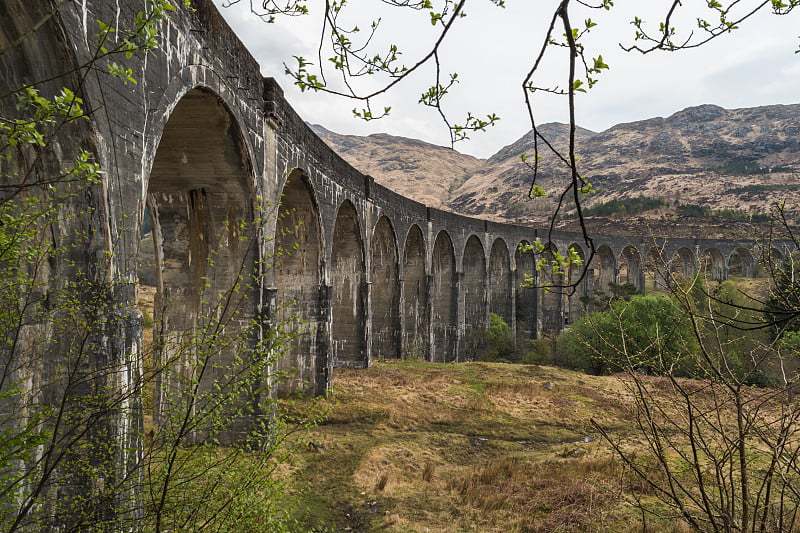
(468, 447)
(414, 447)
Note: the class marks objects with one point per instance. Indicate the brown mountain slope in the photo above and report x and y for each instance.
(705, 158)
(740, 159)
(421, 171)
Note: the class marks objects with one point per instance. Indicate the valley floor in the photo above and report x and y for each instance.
(420, 447)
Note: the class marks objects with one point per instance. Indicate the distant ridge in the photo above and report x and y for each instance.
(422, 171)
(742, 160)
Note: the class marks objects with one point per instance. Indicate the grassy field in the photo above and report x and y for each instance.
(420, 447)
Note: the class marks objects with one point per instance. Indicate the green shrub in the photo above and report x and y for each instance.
(648, 333)
(625, 206)
(496, 344)
(536, 351)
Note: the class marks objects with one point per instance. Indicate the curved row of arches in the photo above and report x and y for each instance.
(391, 296)
(360, 286)
(416, 294)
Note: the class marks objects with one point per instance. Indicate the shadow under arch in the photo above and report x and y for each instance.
(741, 263)
(300, 295)
(200, 203)
(348, 290)
(474, 265)
(416, 320)
(526, 305)
(580, 286)
(552, 291)
(500, 301)
(683, 265)
(385, 291)
(605, 271)
(445, 300)
(631, 269)
(713, 265)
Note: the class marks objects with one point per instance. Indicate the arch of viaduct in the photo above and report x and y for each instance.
(225, 169)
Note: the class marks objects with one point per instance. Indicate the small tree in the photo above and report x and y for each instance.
(720, 455)
(647, 333)
(73, 451)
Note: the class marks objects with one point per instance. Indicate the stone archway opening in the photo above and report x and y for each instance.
(299, 294)
(475, 314)
(202, 271)
(713, 265)
(683, 265)
(605, 272)
(551, 292)
(445, 300)
(741, 264)
(770, 261)
(526, 308)
(415, 296)
(631, 270)
(385, 292)
(656, 270)
(348, 290)
(580, 283)
(500, 294)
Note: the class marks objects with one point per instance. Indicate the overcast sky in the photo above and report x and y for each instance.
(493, 48)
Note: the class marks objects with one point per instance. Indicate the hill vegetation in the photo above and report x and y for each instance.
(738, 162)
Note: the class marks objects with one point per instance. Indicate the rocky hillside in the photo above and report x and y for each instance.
(705, 161)
(424, 172)
(703, 158)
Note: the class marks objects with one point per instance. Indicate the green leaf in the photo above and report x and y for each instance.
(599, 64)
(537, 192)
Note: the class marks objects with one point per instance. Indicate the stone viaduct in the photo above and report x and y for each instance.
(224, 168)
(216, 193)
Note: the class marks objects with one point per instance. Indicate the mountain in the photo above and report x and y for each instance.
(725, 165)
(424, 172)
(740, 160)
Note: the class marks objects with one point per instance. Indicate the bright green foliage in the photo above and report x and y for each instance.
(709, 332)
(497, 344)
(783, 304)
(39, 117)
(493, 344)
(499, 335)
(650, 333)
(70, 419)
(550, 261)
